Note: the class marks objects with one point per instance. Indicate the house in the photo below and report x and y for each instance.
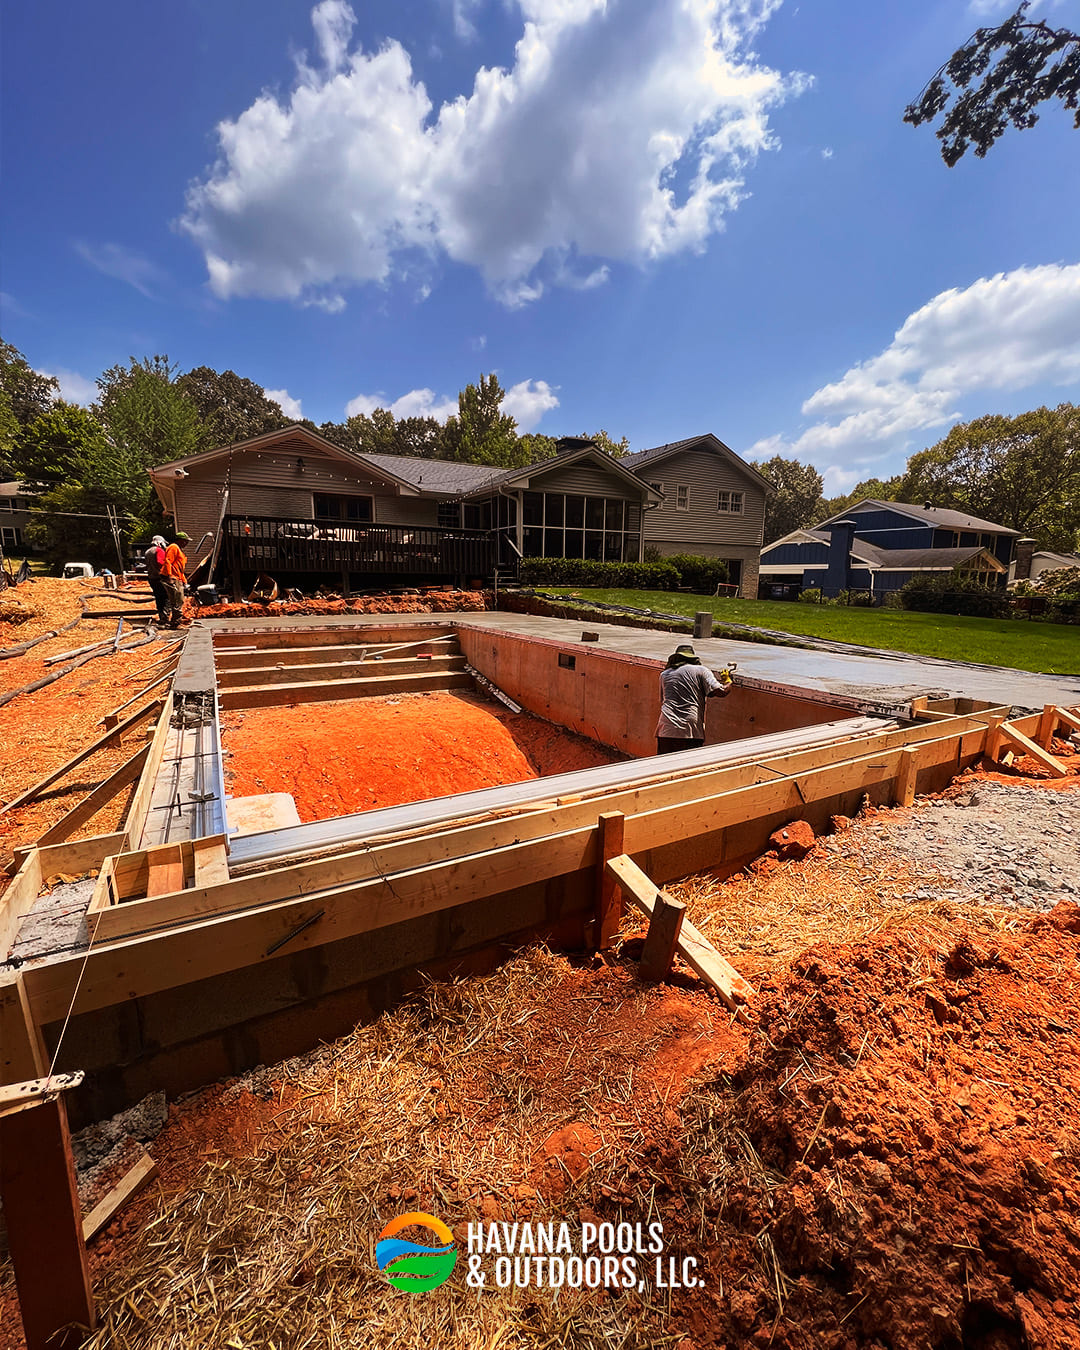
(1028, 564)
(878, 546)
(713, 504)
(14, 518)
(294, 505)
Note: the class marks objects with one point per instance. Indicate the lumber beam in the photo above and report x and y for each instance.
(18, 900)
(609, 911)
(114, 734)
(324, 691)
(22, 1051)
(1036, 752)
(694, 948)
(17, 1097)
(139, 1176)
(1068, 717)
(211, 860)
(91, 804)
(44, 1227)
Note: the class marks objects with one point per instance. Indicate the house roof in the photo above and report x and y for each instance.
(523, 476)
(642, 459)
(1059, 559)
(930, 559)
(927, 515)
(436, 475)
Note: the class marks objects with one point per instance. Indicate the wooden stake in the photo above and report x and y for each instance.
(44, 1226)
(663, 937)
(140, 1176)
(1047, 726)
(1036, 752)
(609, 907)
(905, 778)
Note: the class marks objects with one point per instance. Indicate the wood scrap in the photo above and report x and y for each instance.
(1035, 752)
(91, 804)
(133, 1182)
(15, 1097)
(110, 650)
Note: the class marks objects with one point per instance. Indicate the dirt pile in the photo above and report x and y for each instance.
(915, 1117)
(432, 602)
(360, 754)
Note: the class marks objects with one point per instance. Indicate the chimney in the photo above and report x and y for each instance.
(1025, 548)
(838, 572)
(565, 445)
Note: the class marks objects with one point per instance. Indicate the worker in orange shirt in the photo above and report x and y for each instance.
(174, 579)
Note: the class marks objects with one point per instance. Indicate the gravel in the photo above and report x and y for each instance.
(986, 842)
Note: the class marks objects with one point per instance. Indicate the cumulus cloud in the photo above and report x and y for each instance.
(124, 264)
(289, 406)
(416, 403)
(526, 403)
(622, 131)
(1002, 333)
(74, 388)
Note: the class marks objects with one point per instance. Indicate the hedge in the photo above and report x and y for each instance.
(584, 572)
(702, 575)
(946, 593)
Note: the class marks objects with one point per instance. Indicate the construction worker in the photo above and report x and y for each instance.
(154, 558)
(174, 579)
(685, 684)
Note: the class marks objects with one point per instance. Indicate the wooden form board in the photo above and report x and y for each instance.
(91, 804)
(695, 949)
(114, 912)
(140, 803)
(259, 927)
(355, 633)
(327, 691)
(131, 1184)
(263, 657)
(338, 670)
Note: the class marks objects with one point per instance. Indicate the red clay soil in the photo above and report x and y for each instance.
(432, 602)
(356, 755)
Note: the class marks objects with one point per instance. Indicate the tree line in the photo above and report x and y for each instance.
(1022, 472)
(82, 464)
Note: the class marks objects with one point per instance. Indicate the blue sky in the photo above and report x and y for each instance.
(660, 217)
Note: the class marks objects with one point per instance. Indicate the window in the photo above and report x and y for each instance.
(657, 487)
(682, 497)
(10, 536)
(335, 506)
(730, 503)
(986, 540)
(448, 516)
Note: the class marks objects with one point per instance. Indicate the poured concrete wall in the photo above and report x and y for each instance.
(615, 699)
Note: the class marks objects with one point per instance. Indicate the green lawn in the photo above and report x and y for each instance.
(1047, 647)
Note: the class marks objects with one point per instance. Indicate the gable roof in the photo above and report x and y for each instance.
(446, 476)
(522, 477)
(939, 516)
(1058, 559)
(643, 459)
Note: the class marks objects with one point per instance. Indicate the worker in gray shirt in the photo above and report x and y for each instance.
(684, 686)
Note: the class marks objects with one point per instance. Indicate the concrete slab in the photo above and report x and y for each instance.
(269, 811)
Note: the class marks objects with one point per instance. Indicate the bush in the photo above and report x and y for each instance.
(584, 572)
(701, 574)
(811, 596)
(946, 593)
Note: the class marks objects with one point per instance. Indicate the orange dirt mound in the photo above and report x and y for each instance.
(337, 758)
(439, 602)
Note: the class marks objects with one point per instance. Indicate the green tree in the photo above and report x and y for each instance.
(604, 442)
(1023, 472)
(534, 447)
(482, 433)
(999, 76)
(147, 415)
(24, 396)
(797, 494)
(230, 407)
(62, 443)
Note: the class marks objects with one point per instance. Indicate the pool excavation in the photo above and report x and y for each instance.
(333, 811)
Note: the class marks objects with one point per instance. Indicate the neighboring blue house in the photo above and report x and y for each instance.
(877, 546)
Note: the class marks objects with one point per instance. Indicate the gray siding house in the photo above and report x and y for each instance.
(713, 504)
(294, 505)
(15, 515)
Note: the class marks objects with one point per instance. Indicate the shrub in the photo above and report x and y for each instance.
(946, 593)
(701, 574)
(811, 596)
(584, 572)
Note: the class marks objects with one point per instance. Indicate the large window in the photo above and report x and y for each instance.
(558, 525)
(729, 503)
(10, 536)
(337, 506)
(448, 516)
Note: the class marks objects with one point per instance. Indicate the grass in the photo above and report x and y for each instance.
(1049, 648)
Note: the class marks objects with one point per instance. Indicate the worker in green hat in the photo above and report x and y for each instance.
(685, 684)
(174, 579)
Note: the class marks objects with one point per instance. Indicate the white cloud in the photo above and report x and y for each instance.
(827, 153)
(124, 264)
(289, 406)
(74, 388)
(622, 131)
(1002, 333)
(416, 403)
(528, 401)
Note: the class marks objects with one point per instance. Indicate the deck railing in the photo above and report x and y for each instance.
(278, 545)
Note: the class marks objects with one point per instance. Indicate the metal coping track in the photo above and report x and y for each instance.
(341, 831)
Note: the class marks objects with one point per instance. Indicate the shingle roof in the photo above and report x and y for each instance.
(1061, 559)
(437, 475)
(932, 515)
(641, 457)
(924, 559)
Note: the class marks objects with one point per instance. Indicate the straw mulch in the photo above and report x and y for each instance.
(536, 1093)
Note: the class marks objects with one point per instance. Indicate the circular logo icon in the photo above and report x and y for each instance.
(409, 1265)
